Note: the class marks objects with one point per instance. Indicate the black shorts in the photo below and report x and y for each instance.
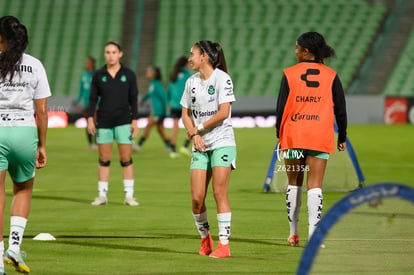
(176, 113)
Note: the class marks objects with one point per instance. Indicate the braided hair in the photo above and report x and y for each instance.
(15, 38)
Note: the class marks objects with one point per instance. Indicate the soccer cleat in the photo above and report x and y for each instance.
(136, 147)
(293, 240)
(174, 155)
(206, 246)
(222, 251)
(185, 151)
(131, 202)
(93, 147)
(100, 201)
(16, 260)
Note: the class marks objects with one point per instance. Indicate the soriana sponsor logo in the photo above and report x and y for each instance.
(395, 110)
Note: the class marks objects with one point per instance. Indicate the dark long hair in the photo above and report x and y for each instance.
(316, 45)
(16, 40)
(180, 63)
(215, 53)
(116, 44)
(157, 71)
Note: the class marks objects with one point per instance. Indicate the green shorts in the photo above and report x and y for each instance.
(18, 147)
(122, 134)
(223, 156)
(296, 153)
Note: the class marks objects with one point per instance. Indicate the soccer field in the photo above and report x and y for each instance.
(159, 236)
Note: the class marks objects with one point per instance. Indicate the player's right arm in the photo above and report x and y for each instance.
(93, 99)
(281, 102)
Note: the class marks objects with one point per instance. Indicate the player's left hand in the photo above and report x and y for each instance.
(199, 144)
(341, 146)
(134, 129)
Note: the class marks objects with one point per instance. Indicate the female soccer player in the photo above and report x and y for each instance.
(156, 93)
(24, 91)
(206, 114)
(178, 77)
(311, 97)
(83, 95)
(116, 88)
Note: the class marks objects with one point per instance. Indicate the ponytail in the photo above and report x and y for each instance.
(15, 38)
(316, 45)
(179, 64)
(215, 54)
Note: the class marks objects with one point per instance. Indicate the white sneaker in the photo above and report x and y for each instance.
(131, 202)
(100, 201)
(185, 151)
(174, 155)
(136, 147)
(93, 147)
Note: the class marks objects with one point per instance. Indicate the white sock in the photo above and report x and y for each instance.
(315, 200)
(1, 252)
(129, 188)
(224, 222)
(201, 222)
(293, 203)
(17, 227)
(103, 188)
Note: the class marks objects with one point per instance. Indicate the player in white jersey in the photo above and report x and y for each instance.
(206, 114)
(24, 90)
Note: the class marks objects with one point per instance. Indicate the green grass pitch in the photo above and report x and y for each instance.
(159, 236)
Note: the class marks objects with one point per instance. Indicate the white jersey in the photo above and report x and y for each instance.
(16, 95)
(204, 98)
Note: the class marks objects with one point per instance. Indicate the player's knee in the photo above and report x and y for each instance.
(104, 163)
(126, 163)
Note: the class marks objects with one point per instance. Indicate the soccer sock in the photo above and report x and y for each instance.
(167, 143)
(315, 200)
(293, 203)
(173, 149)
(1, 252)
(141, 141)
(201, 222)
(187, 143)
(103, 188)
(17, 226)
(129, 188)
(224, 222)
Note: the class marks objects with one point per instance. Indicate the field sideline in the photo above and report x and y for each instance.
(159, 236)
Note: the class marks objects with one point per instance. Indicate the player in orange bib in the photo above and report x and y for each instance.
(311, 97)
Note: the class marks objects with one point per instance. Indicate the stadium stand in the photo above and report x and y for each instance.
(258, 36)
(401, 81)
(63, 33)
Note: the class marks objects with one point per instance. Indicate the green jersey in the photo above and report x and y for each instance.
(158, 96)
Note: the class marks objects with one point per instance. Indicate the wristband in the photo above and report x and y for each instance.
(200, 127)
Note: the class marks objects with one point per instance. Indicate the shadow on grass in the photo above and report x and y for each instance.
(92, 241)
(69, 199)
